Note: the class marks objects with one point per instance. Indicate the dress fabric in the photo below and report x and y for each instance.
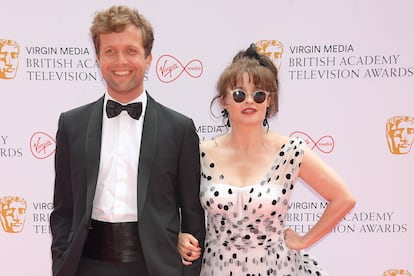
(245, 225)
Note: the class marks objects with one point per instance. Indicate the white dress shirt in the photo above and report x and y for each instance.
(116, 191)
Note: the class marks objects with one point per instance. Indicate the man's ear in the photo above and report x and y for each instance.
(148, 60)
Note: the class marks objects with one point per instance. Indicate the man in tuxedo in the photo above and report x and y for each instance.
(127, 168)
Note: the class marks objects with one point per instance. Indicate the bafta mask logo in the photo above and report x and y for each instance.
(273, 49)
(396, 272)
(400, 134)
(12, 213)
(9, 58)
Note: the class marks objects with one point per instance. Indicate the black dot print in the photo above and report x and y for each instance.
(245, 225)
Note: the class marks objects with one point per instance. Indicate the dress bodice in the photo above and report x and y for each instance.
(245, 225)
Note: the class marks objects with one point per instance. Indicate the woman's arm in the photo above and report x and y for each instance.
(325, 181)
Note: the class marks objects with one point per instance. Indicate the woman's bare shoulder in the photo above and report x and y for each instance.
(278, 139)
(211, 145)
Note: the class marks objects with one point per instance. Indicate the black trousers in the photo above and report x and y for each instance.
(91, 267)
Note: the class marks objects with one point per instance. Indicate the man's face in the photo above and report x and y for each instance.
(401, 137)
(9, 60)
(123, 63)
(13, 216)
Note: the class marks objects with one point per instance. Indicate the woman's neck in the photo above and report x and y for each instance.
(247, 137)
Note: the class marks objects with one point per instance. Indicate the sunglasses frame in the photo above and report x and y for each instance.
(254, 95)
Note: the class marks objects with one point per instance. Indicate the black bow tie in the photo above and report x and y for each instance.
(113, 109)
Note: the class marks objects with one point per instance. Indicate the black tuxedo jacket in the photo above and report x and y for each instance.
(168, 187)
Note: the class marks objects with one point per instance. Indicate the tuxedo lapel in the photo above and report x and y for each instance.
(93, 151)
(147, 153)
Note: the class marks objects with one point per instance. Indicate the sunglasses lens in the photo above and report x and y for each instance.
(259, 97)
(238, 96)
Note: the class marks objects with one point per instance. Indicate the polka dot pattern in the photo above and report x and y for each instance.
(245, 225)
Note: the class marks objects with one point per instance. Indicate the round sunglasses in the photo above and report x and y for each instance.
(239, 96)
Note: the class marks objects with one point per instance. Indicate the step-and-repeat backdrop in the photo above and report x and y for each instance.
(347, 88)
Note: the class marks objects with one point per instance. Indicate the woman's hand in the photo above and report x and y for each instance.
(188, 248)
(293, 240)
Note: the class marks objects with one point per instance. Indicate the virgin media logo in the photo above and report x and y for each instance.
(324, 144)
(168, 68)
(42, 145)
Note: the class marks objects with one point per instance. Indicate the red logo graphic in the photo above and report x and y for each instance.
(169, 68)
(324, 144)
(42, 145)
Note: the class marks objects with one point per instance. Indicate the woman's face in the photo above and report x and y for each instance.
(249, 110)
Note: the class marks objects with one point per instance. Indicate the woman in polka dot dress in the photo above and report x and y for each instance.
(248, 176)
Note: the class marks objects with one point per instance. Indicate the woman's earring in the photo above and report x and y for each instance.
(265, 122)
(225, 114)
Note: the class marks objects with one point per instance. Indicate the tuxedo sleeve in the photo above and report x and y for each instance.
(192, 214)
(61, 216)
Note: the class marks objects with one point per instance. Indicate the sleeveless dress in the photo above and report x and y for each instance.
(245, 225)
